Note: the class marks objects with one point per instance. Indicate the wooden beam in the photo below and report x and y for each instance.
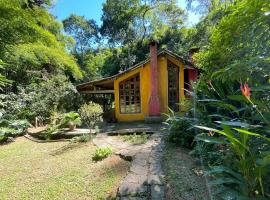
(98, 92)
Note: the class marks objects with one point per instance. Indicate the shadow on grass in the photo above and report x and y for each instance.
(67, 147)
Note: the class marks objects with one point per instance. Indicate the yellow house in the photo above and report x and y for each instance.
(147, 89)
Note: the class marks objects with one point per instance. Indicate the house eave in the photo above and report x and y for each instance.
(107, 83)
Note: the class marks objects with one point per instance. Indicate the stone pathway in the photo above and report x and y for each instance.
(145, 179)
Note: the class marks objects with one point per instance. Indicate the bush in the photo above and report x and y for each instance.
(102, 153)
(7, 132)
(91, 114)
(181, 131)
(72, 117)
(59, 121)
(12, 128)
(54, 93)
(82, 138)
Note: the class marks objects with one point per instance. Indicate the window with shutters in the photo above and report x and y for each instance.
(129, 95)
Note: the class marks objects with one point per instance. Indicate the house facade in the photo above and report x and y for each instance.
(148, 89)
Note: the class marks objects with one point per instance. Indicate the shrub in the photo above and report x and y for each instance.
(59, 121)
(180, 131)
(40, 99)
(71, 117)
(102, 153)
(20, 124)
(50, 131)
(91, 114)
(247, 173)
(82, 138)
(7, 132)
(12, 128)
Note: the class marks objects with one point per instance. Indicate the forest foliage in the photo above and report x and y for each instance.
(41, 59)
(231, 112)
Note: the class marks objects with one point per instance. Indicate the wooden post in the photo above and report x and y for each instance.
(36, 122)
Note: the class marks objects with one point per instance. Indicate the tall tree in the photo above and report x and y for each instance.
(85, 32)
(125, 21)
(239, 44)
(33, 3)
(130, 23)
(206, 6)
(31, 41)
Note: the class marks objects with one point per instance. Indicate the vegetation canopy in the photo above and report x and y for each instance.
(225, 118)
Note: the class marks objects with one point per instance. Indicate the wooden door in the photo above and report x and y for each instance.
(173, 87)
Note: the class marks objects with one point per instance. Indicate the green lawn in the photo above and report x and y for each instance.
(30, 170)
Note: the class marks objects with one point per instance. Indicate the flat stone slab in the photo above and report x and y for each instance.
(135, 178)
(130, 131)
(132, 189)
(157, 192)
(132, 198)
(145, 178)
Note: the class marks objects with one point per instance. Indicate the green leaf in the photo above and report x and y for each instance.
(209, 139)
(233, 123)
(209, 100)
(222, 169)
(223, 133)
(223, 180)
(240, 98)
(251, 133)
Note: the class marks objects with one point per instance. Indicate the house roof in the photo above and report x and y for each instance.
(107, 83)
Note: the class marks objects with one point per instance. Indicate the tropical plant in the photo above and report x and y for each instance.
(50, 131)
(60, 121)
(5, 133)
(12, 128)
(102, 153)
(82, 138)
(249, 168)
(180, 129)
(91, 114)
(71, 118)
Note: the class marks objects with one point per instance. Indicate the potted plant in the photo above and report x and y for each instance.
(72, 119)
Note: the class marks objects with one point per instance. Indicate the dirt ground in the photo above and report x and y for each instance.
(184, 180)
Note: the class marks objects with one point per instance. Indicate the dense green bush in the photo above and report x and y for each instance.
(181, 131)
(91, 114)
(101, 153)
(58, 122)
(82, 138)
(246, 174)
(7, 132)
(55, 94)
(71, 117)
(12, 128)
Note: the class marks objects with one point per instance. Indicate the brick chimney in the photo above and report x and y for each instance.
(192, 73)
(154, 105)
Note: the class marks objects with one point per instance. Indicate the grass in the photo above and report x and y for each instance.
(136, 138)
(182, 181)
(31, 170)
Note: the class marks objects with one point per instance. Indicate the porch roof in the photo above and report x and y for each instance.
(106, 85)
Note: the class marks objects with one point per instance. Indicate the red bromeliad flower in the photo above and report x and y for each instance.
(245, 90)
